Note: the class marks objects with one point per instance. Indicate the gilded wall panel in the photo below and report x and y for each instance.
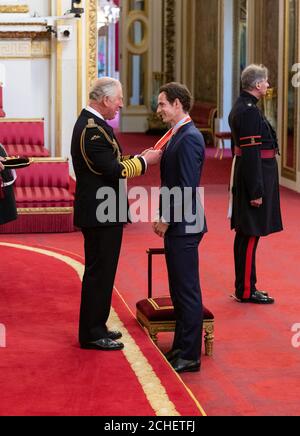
(206, 51)
(270, 43)
(91, 25)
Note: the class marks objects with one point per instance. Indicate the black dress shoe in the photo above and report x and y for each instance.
(263, 293)
(105, 344)
(258, 298)
(114, 334)
(182, 365)
(172, 354)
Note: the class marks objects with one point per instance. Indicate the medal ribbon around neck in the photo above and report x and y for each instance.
(160, 145)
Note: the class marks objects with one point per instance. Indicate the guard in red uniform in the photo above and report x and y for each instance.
(255, 189)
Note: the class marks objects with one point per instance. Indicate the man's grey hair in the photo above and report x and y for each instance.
(104, 87)
(252, 75)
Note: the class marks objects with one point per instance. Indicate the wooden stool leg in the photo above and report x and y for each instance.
(153, 336)
(223, 148)
(209, 338)
(218, 147)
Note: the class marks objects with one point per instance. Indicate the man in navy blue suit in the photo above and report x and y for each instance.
(181, 223)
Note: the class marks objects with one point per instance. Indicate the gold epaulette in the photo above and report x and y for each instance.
(132, 168)
(92, 125)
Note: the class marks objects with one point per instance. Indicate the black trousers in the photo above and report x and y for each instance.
(183, 269)
(8, 209)
(245, 265)
(102, 250)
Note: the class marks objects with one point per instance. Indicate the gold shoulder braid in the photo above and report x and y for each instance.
(92, 125)
(132, 167)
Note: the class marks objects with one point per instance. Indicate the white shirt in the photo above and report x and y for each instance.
(94, 112)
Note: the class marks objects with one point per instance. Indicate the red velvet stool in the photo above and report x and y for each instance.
(157, 314)
(220, 137)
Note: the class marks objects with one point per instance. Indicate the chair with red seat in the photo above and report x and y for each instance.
(156, 314)
(23, 137)
(203, 114)
(44, 201)
(220, 138)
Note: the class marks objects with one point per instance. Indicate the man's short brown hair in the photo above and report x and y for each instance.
(176, 90)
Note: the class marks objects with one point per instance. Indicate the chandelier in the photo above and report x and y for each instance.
(108, 12)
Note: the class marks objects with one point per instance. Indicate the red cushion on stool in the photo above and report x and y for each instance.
(223, 135)
(161, 309)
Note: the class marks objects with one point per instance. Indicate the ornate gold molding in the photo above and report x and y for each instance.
(45, 210)
(40, 49)
(170, 48)
(24, 23)
(91, 49)
(20, 120)
(19, 35)
(143, 47)
(289, 169)
(14, 9)
(15, 49)
(49, 159)
(10, 49)
(188, 49)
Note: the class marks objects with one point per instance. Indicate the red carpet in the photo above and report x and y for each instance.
(42, 369)
(254, 369)
(215, 171)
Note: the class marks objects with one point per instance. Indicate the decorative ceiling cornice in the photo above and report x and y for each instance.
(23, 23)
(26, 29)
(14, 9)
(20, 35)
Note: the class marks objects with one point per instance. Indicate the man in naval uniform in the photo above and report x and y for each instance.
(99, 166)
(255, 189)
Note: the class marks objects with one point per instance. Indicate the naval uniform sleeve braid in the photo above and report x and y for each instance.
(250, 143)
(102, 156)
(133, 167)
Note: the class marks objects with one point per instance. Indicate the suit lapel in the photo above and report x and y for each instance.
(172, 143)
(168, 148)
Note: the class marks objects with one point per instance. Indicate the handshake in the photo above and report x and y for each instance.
(151, 156)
